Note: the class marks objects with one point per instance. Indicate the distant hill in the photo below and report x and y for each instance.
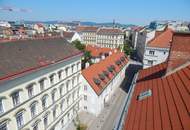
(85, 23)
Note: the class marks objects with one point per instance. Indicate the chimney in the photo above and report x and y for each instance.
(179, 51)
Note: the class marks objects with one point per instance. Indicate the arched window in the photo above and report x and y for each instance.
(44, 101)
(33, 109)
(53, 95)
(20, 118)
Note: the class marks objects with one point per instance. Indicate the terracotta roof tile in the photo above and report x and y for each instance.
(167, 109)
(180, 50)
(163, 40)
(93, 71)
(109, 31)
(86, 29)
(97, 51)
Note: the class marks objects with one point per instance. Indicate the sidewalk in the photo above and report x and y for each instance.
(96, 123)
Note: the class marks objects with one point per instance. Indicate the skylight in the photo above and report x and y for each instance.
(144, 95)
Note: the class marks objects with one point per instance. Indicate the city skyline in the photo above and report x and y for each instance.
(125, 12)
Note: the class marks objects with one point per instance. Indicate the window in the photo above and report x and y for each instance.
(151, 52)
(3, 126)
(30, 91)
(44, 101)
(62, 123)
(150, 62)
(51, 79)
(54, 113)
(67, 85)
(35, 127)
(16, 98)
(1, 107)
(66, 71)
(33, 110)
(19, 119)
(85, 107)
(60, 74)
(72, 68)
(42, 84)
(164, 52)
(85, 97)
(61, 90)
(45, 120)
(85, 88)
(73, 81)
(53, 95)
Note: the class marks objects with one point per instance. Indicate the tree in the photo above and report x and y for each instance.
(127, 49)
(78, 45)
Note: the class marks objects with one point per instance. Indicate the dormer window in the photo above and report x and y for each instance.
(96, 81)
(101, 76)
(106, 73)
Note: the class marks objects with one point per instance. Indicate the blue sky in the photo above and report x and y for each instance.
(123, 11)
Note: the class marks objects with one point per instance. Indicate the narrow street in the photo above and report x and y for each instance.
(109, 116)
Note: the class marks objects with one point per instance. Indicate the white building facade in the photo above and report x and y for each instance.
(87, 34)
(110, 38)
(45, 99)
(95, 101)
(144, 36)
(154, 56)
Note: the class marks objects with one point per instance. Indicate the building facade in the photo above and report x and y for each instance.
(47, 97)
(157, 50)
(87, 34)
(110, 38)
(144, 36)
(101, 80)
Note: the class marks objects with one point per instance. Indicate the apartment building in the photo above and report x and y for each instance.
(110, 38)
(157, 50)
(143, 37)
(87, 34)
(100, 81)
(40, 84)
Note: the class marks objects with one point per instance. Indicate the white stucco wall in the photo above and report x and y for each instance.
(95, 103)
(160, 55)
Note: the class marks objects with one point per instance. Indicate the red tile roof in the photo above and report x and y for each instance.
(152, 72)
(167, 108)
(180, 50)
(109, 31)
(97, 51)
(162, 40)
(94, 71)
(86, 29)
